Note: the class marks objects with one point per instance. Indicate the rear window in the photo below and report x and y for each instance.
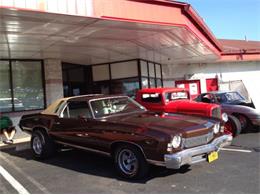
(152, 97)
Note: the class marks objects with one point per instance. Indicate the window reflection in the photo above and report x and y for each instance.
(127, 87)
(27, 85)
(5, 89)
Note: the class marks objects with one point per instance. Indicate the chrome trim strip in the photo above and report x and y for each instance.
(84, 148)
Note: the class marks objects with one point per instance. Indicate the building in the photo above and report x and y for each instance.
(55, 48)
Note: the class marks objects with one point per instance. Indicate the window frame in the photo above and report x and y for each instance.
(11, 82)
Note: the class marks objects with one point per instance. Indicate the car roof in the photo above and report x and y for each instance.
(220, 92)
(51, 109)
(162, 90)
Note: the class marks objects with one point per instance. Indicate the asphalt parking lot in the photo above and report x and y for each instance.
(72, 171)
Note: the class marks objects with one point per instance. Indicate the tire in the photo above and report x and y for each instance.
(42, 145)
(244, 121)
(137, 169)
(233, 126)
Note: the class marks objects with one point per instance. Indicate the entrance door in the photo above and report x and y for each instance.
(212, 84)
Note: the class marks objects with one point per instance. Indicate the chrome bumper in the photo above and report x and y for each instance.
(196, 154)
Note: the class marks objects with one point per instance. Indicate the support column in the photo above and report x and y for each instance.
(53, 80)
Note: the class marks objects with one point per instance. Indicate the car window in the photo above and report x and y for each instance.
(112, 106)
(171, 96)
(151, 97)
(77, 109)
(207, 98)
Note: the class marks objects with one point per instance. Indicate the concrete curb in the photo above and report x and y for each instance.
(18, 143)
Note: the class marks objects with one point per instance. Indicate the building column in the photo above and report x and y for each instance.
(53, 80)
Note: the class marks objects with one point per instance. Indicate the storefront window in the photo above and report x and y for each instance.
(124, 70)
(159, 82)
(152, 83)
(5, 88)
(101, 87)
(144, 70)
(127, 87)
(145, 82)
(27, 85)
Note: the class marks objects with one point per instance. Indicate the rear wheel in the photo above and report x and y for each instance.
(130, 162)
(244, 121)
(42, 145)
(232, 126)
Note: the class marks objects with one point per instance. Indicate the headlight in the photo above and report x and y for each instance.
(216, 128)
(224, 117)
(176, 141)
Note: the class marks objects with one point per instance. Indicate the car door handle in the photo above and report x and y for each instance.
(56, 123)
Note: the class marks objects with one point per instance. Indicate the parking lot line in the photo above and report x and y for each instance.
(235, 150)
(33, 181)
(16, 185)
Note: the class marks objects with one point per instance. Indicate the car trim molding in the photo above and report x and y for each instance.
(84, 148)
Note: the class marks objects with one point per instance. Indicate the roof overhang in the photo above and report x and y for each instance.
(99, 31)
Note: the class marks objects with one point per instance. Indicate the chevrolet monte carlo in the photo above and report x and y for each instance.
(119, 127)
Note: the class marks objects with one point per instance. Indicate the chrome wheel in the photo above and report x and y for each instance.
(127, 162)
(37, 145)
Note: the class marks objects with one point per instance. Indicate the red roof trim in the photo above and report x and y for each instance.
(192, 15)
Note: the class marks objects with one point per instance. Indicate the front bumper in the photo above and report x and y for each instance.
(196, 154)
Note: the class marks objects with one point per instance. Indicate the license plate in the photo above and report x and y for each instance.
(212, 156)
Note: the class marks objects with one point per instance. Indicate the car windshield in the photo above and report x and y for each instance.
(171, 96)
(229, 97)
(112, 106)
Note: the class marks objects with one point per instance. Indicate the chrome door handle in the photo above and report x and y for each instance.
(57, 123)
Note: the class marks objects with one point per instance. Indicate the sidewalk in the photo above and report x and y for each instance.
(19, 138)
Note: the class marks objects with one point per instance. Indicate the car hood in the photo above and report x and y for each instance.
(229, 108)
(169, 123)
(189, 106)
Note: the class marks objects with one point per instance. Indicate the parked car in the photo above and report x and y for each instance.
(234, 104)
(177, 100)
(119, 127)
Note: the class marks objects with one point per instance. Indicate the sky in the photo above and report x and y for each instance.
(230, 19)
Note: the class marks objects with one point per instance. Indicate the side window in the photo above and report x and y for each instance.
(152, 98)
(77, 109)
(206, 98)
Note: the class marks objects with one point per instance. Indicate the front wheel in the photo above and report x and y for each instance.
(232, 126)
(130, 162)
(42, 145)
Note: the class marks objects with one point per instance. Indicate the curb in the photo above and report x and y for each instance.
(18, 144)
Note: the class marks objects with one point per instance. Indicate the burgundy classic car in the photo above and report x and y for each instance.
(119, 127)
(177, 100)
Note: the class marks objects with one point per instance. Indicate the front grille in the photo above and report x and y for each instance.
(198, 140)
(216, 112)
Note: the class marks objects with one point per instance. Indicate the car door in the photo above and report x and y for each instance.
(73, 123)
(75, 126)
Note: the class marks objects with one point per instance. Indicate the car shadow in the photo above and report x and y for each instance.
(93, 164)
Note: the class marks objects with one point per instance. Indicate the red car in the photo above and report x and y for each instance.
(177, 100)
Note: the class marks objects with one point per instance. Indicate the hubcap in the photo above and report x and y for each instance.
(127, 162)
(37, 145)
